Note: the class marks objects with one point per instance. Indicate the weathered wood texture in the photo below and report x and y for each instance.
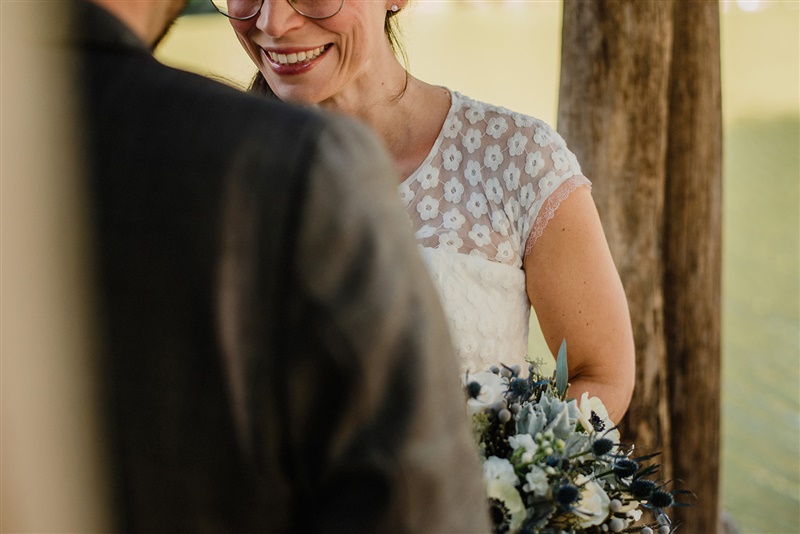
(693, 257)
(640, 106)
(613, 112)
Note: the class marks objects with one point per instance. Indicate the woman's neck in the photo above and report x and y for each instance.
(405, 112)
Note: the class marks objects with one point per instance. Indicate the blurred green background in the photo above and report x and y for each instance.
(507, 53)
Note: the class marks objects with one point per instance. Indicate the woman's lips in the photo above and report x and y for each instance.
(287, 62)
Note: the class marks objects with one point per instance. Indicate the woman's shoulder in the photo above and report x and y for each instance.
(520, 137)
(476, 111)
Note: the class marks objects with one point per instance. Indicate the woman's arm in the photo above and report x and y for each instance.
(578, 296)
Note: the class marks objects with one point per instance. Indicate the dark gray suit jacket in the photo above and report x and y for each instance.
(275, 353)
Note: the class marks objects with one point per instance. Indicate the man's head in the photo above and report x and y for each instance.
(149, 19)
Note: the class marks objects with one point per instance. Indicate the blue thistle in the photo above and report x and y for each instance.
(661, 499)
(625, 468)
(602, 446)
(642, 488)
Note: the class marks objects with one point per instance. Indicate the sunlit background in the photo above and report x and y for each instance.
(507, 53)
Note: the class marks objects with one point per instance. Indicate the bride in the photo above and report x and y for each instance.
(499, 206)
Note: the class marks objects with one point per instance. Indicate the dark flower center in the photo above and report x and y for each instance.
(500, 516)
(567, 494)
(597, 422)
(473, 390)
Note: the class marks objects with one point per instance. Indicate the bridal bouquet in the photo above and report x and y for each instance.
(552, 465)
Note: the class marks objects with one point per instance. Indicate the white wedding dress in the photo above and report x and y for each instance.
(486, 191)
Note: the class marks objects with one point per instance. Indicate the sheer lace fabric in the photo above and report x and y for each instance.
(477, 204)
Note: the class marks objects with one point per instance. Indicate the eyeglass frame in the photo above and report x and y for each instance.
(290, 2)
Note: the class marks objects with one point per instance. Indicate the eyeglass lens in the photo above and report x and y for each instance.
(245, 9)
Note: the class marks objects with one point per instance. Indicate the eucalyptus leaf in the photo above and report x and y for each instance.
(561, 370)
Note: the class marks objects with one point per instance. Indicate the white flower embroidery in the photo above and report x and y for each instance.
(513, 209)
(452, 220)
(516, 144)
(478, 253)
(487, 275)
(543, 136)
(450, 287)
(473, 172)
(560, 161)
(494, 192)
(493, 157)
(474, 115)
(480, 234)
(425, 231)
(505, 252)
(453, 190)
(472, 140)
(527, 195)
(500, 222)
(452, 158)
(428, 208)
(452, 126)
(523, 121)
(534, 163)
(459, 319)
(497, 126)
(484, 326)
(450, 241)
(428, 177)
(511, 176)
(524, 225)
(406, 194)
(477, 205)
(573, 163)
(548, 184)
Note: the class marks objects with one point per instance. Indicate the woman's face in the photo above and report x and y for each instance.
(310, 61)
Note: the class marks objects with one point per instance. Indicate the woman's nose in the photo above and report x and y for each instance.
(277, 18)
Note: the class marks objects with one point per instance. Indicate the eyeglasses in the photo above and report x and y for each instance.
(247, 9)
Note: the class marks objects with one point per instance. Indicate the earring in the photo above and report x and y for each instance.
(395, 8)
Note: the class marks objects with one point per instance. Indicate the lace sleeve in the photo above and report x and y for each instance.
(550, 205)
(552, 173)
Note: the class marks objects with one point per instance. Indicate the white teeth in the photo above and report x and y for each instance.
(291, 59)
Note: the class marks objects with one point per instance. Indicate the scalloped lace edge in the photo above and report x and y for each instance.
(551, 204)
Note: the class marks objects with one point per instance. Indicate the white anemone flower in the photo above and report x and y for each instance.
(586, 406)
(594, 502)
(500, 480)
(493, 387)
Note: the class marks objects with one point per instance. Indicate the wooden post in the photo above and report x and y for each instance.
(613, 113)
(640, 106)
(693, 258)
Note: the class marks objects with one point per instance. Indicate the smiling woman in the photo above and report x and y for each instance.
(483, 186)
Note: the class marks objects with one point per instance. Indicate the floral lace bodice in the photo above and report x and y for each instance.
(484, 194)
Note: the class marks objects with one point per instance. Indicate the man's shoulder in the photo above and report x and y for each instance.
(226, 102)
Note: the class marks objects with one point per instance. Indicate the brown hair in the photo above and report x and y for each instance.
(260, 86)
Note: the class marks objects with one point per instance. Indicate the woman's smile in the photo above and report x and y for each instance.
(286, 61)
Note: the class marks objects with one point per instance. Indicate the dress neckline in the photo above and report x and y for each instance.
(436, 144)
